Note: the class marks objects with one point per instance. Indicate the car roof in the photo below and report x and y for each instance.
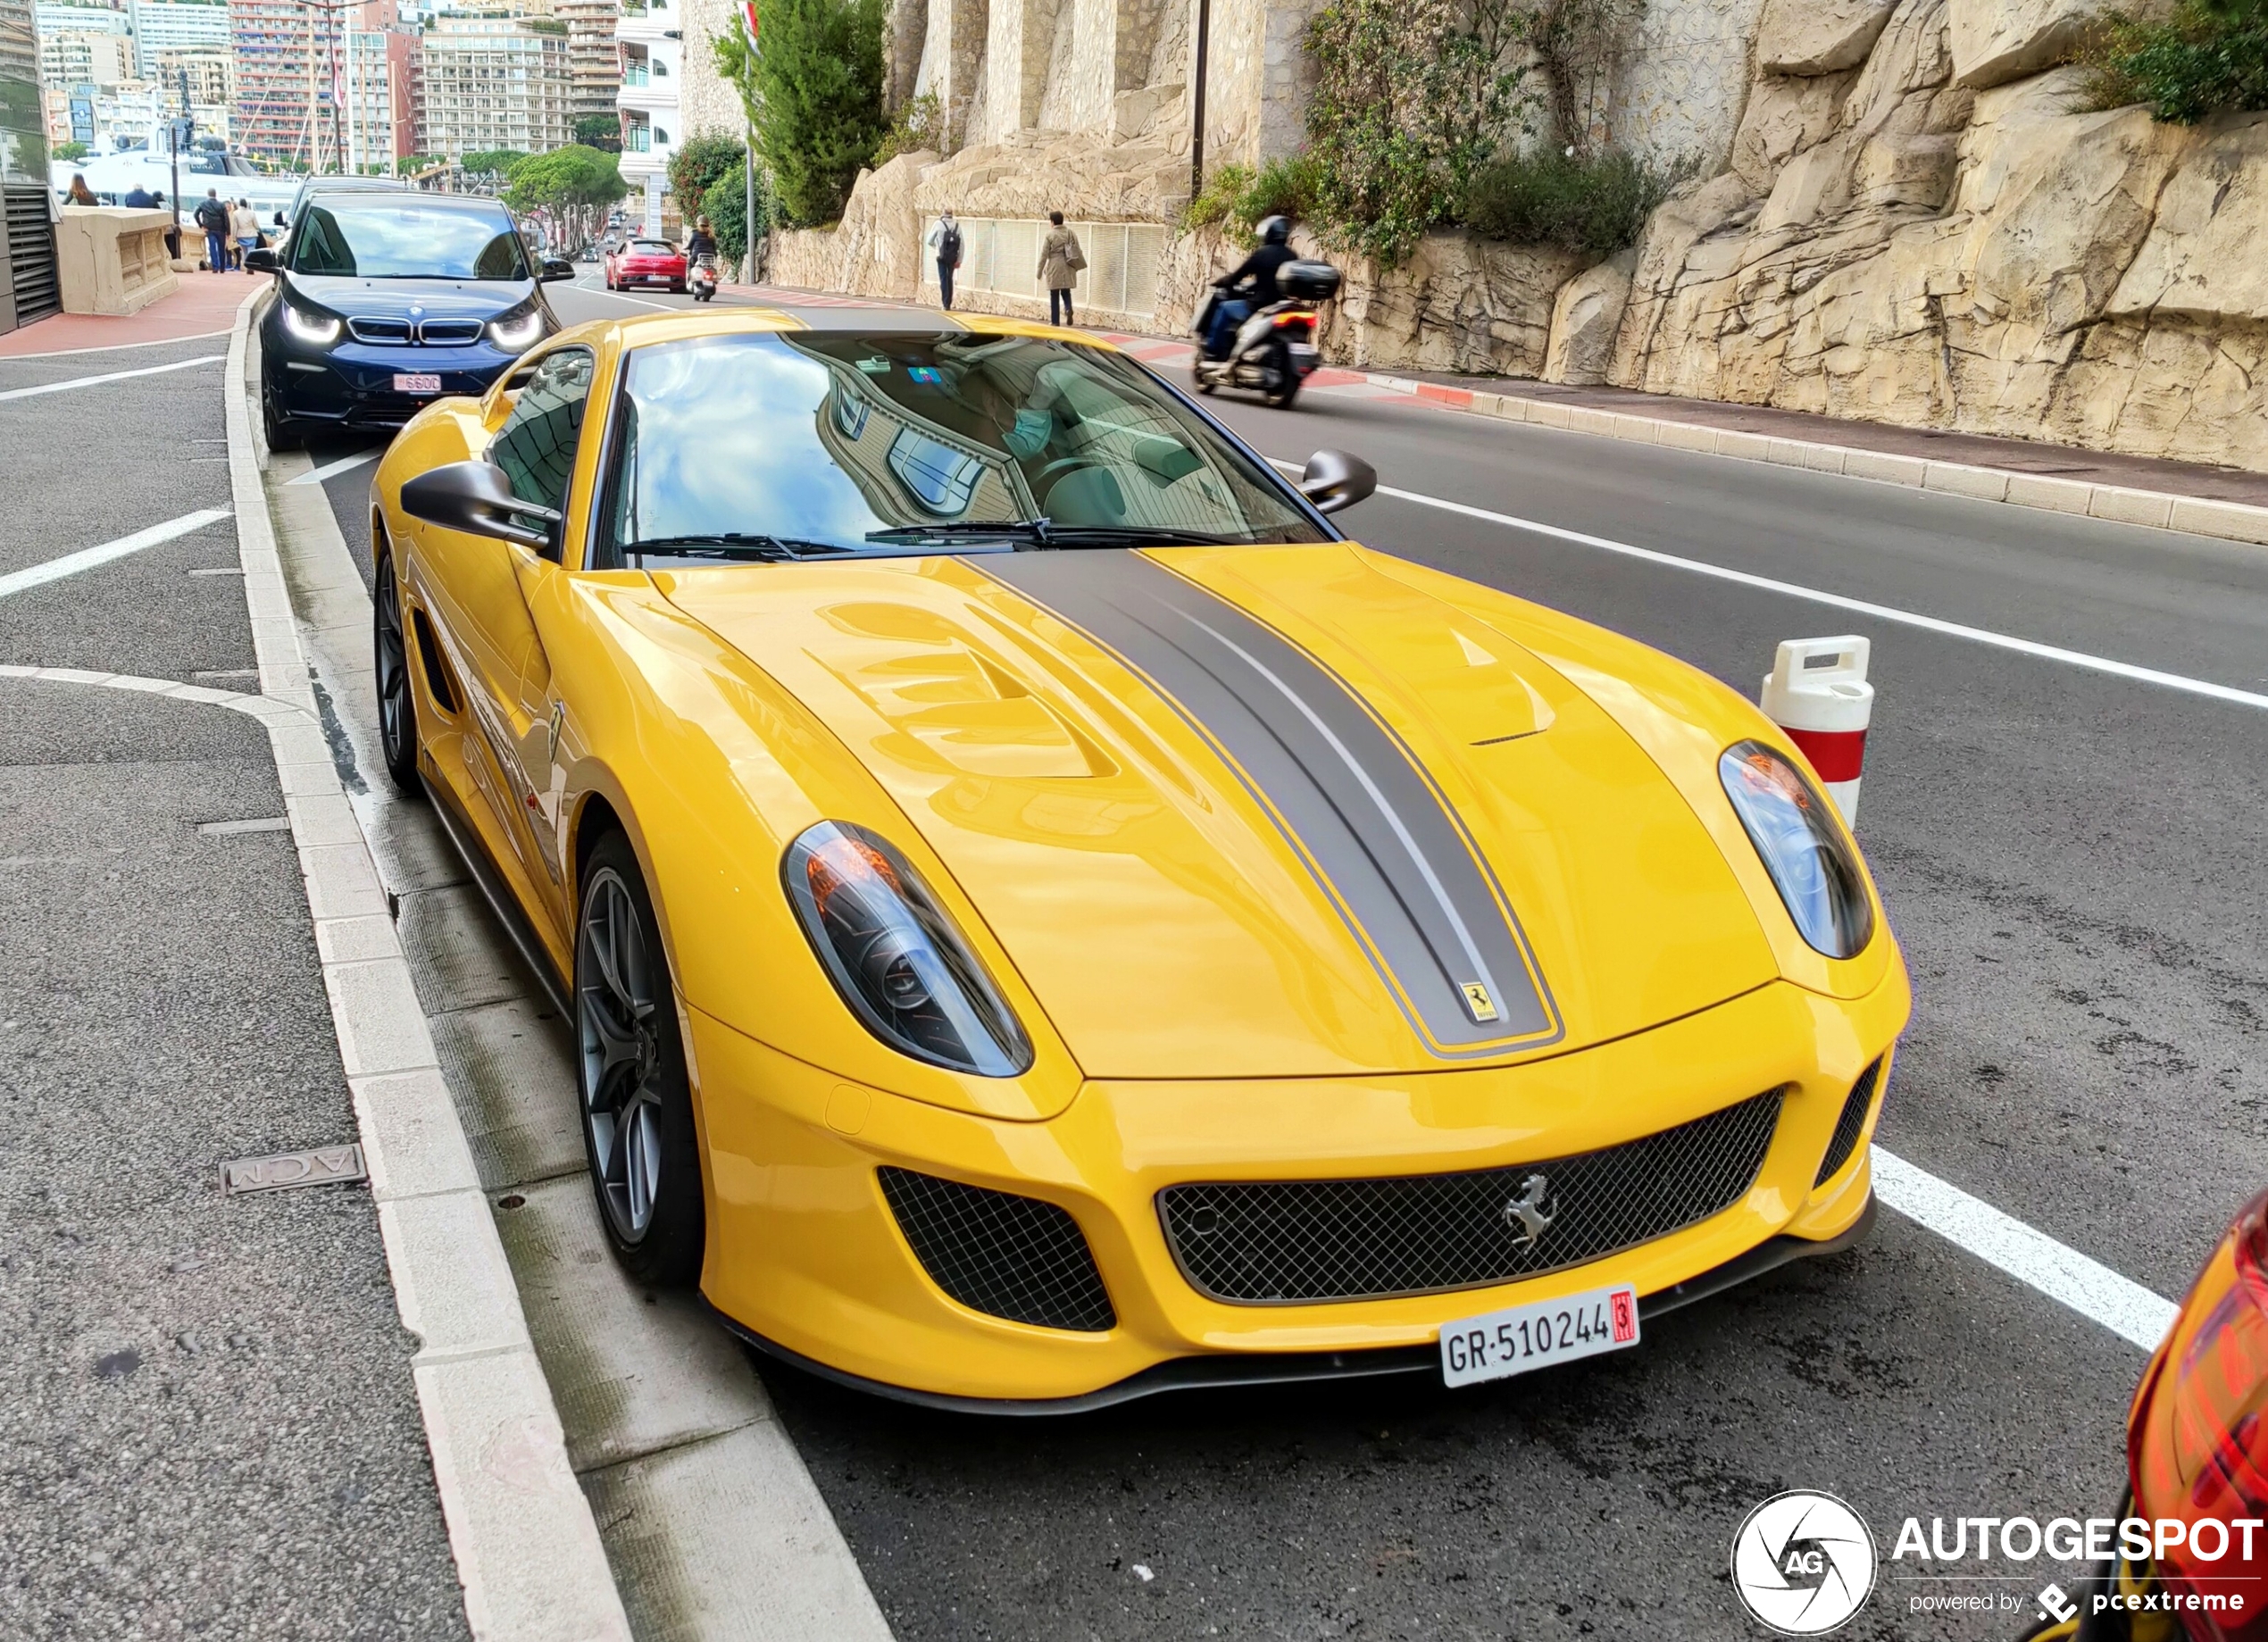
(393, 185)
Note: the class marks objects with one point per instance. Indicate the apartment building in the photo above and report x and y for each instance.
(592, 55)
(496, 82)
(78, 57)
(651, 37)
(161, 25)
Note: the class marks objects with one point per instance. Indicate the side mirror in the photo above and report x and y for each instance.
(1333, 480)
(557, 268)
(476, 498)
(260, 260)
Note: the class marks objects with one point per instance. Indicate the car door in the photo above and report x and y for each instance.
(482, 590)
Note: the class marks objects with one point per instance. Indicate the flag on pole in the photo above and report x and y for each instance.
(748, 11)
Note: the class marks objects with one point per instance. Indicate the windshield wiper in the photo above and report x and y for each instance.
(1048, 533)
(735, 544)
(1002, 530)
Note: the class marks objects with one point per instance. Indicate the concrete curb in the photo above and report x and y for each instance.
(527, 1550)
(2235, 521)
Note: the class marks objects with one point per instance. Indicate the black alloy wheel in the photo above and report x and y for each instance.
(637, 1108)
(278, 430)
(396, 702)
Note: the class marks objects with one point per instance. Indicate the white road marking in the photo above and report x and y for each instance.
(315, 476)
(1886, 612)
(2031, 1257)
(114, 348)
(266, 823)
(600, 290)
(88, 558)
(113, 376)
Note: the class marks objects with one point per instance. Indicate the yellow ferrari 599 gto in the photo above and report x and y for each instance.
(1045, 917)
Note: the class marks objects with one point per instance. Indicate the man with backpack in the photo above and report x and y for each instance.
(212, 217)
(945, 239)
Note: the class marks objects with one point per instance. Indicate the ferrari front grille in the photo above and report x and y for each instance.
(1848, 1127)
(1000, 1253)
(1281, 1242)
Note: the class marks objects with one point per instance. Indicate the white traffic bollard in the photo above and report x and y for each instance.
(1817, 692)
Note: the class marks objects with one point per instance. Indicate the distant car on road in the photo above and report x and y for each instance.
(385, 301)
(646, 262)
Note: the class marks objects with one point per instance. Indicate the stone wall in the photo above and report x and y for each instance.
(1683, 79)
(1918, 226)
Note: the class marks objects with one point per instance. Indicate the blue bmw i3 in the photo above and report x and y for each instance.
(386, 302)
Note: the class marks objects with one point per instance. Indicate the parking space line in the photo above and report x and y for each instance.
(1859, 606)
(2025, 1253)
(110, 376)
(88, 558)
(315, 476)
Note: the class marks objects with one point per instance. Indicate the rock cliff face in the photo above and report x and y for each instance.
(1918, 227)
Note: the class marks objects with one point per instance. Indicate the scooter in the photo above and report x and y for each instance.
(703, 282)
(1274, 350)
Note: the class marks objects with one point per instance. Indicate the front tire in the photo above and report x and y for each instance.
(397, 701)
(1280, 383)
(637, 1102)
(280, 432)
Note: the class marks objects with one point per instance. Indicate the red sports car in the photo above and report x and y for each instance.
(646, 262)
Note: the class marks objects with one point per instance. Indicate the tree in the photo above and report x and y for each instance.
(813, 93)
(726, 205)
(68, 151)
(698, 163)
(576, 183)
(410, 163)
(603, 132)
(496, 162)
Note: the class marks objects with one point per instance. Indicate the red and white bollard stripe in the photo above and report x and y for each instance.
(1817, 692)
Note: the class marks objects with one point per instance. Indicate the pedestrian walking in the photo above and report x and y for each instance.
(243, 228)
(81, 194)
(212, 217)
(945, 239)
(1060, 262)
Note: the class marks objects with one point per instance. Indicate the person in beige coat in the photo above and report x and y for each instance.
(1060, 260)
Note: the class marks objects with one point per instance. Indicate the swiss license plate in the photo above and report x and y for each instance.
(1498, 1345)
(416, 384)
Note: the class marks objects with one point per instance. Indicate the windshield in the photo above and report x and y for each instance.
(815, 445)
(650, 247)
(391, 238)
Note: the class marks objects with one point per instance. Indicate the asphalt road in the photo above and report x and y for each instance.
(2071, 861)
(207, 1423)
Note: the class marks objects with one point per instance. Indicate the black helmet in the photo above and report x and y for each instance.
(1274, 230)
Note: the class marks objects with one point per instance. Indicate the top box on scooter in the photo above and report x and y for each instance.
(1308, 282)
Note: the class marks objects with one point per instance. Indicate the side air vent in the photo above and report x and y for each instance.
(1000, 1253)
(437, 670)
(1850, 1125)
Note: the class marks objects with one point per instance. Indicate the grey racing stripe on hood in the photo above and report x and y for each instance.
(1348, 795)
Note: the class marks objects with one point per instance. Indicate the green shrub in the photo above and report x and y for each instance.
(920, 124)
(2209, 57)
(1594, 206)
(814, 98)
(699, 162)
(1236, 196)
(726, 205)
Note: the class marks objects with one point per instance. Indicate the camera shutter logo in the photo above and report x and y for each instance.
(1803, 1562)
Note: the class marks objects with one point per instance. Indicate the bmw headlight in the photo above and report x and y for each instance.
(518, 331)
(1809, 857)
(895, 955)
(311, 326)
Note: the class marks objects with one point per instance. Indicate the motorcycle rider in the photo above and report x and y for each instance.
(1257, 272)
(701, 242)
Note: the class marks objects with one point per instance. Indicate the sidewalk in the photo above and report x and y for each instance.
(205, 305)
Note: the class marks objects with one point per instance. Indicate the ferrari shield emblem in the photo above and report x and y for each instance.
(1477, 1000)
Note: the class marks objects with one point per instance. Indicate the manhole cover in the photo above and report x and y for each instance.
(325, 1166)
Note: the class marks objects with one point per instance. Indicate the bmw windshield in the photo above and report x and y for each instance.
(770, 447)
(386, 237)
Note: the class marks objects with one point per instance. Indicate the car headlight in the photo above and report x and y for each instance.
(516, 332)
(316, 329)
(895, 955)
(1809, 857)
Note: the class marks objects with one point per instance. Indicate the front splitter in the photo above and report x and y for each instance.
(1227, 1370)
